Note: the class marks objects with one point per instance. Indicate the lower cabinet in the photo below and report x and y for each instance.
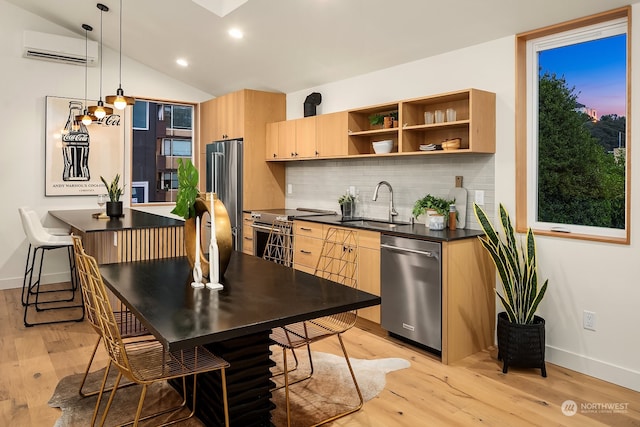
(468, 280)
(369, 271)
(307, 245)
(247, 234)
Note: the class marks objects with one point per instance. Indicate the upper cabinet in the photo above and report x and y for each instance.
(245, 114)
(468, 115)
(308, 138)
(331, 139)
(224, 116)
(463, 119)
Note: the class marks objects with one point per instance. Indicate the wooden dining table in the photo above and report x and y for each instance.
(234, 322)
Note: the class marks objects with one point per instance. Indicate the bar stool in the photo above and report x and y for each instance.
(40, 240)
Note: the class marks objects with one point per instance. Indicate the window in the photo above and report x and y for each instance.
(176, 147)
(162, 133)
(141, 115)
(571, 130)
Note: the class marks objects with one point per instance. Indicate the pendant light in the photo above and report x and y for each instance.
(100, 111)
(119, 100)
(86, 118)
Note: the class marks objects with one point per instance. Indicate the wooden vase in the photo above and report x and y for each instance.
(223, 234)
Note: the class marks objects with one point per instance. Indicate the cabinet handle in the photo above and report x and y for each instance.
(275, 155)
(292, 154)
(248, 238)
(317, 154)
(305, 229)
(305, 252)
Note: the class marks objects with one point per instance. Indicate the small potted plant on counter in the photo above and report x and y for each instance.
(431, 205)
(521, 334)
(114, 205)
(346, 202)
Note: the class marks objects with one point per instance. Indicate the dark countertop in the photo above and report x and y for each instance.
(82, 220)
(415, 231)
(258, 295)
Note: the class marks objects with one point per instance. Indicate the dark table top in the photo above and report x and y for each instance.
(82, 219)
(258, 295)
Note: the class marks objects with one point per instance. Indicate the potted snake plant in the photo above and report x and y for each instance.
(521, 333)
(114, 205)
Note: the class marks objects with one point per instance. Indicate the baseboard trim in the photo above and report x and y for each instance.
(605, 371)
(16, 282)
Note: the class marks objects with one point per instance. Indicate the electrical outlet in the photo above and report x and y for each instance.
(289, 188)
(589, 320)
(479, 199)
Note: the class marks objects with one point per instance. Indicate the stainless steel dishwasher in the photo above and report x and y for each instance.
(411, 290)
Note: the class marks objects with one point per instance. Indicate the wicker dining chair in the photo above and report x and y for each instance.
(146, 361)
(338, 262)
(128, 324)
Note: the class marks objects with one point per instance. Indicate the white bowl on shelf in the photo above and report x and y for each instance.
(382, 147)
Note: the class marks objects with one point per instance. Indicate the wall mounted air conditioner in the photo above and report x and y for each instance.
(51, 47)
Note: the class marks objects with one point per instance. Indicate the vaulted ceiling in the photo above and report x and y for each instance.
(290, 45)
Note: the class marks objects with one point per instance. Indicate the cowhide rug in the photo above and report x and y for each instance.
(328, 392)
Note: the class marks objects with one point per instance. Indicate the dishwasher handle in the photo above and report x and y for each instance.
(430, 254)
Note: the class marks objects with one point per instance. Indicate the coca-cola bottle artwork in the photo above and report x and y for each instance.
(75, 146)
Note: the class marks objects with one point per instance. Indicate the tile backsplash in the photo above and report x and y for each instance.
(319, 183)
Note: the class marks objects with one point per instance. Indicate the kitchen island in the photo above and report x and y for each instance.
(137, 235)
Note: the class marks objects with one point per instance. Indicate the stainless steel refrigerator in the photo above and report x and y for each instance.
(224, 177)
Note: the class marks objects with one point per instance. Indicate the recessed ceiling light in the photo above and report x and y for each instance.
(182, 62)
(236, 33)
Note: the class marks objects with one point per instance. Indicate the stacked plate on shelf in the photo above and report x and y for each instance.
(427, 147)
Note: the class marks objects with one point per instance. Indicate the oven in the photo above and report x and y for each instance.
(262, 223)
(261, 232)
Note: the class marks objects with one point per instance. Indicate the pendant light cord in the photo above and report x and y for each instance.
(120, 30)
(86, 59)
(100, 55)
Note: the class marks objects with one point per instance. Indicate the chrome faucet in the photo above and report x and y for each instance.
(392, 209)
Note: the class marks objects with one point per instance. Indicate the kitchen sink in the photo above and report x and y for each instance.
(379, 224)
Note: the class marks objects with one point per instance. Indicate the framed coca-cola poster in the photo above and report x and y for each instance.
(77, 155)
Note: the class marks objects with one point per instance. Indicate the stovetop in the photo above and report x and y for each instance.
(270, 215)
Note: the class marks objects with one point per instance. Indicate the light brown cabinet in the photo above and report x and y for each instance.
(352, 135)
(225, 119)
(331, 139)
(307, 245)
(291, 139)
(468, 280)
(468, 299)
(245, 114)
(308, 138)
(247, 234)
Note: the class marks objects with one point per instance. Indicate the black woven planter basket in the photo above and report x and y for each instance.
(521, 345)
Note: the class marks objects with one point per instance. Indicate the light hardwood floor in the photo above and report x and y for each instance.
(471, 392)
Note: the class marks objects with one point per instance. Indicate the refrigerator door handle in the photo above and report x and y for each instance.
(216, 160)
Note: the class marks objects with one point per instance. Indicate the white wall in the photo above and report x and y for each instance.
(582, 275)
(25, 83)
